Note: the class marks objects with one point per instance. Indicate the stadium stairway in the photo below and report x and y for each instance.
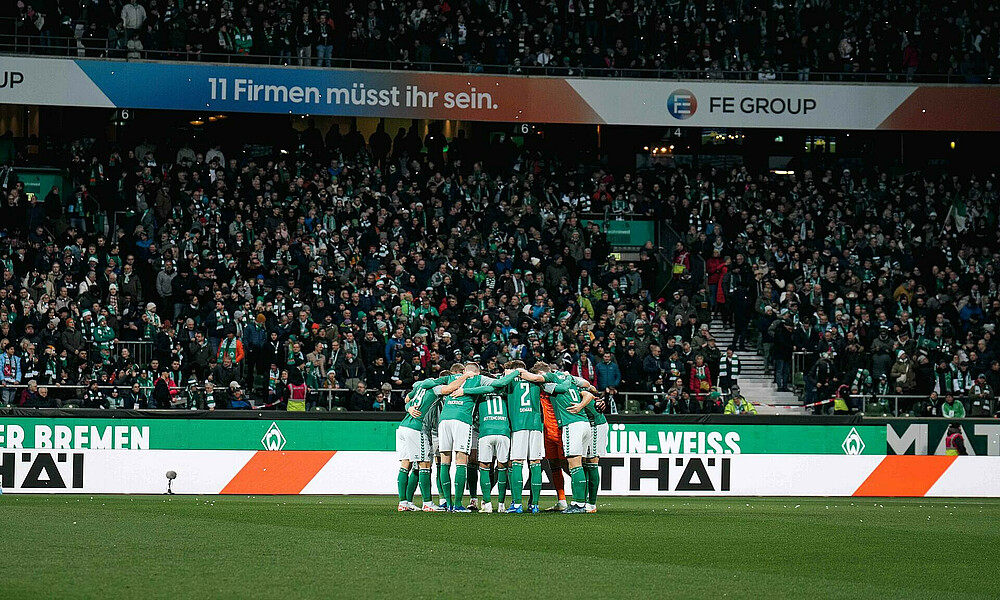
(755, 384)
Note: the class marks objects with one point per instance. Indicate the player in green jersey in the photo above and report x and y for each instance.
(412, 442)
(569, 401)
(597, 449)
(494, 436)
(431, 424)
(598, 440)
(455, 435)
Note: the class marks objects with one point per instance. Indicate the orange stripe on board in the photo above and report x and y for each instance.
(270, 472)
(905, 475)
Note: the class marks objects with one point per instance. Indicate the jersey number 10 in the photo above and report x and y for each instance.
(494, 406)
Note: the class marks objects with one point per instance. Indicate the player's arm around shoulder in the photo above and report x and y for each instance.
(531, 377)
(452, 387)
(477, 390)
(506, 380)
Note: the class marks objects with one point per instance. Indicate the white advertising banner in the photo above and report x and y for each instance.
(507, 99)
(348, 472)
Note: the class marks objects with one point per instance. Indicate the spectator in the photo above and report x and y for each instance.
(608, 373)
(298, 394)
(133, 16)
(738, 405)
(10, 367)
(224, 374)
(161, 391)
(981, 397)
(29, 395)
(728, 369)
(782, 353)
(955, 441)
(359, 399)
(952, 408)
(135, 398)
(305, 37)
(237, 398)
(700, 381)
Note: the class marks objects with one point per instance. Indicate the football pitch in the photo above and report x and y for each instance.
(360, 547)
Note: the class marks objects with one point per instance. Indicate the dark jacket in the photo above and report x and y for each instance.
(254, 337)
(161, 394)
(782, 343)
(359, 402)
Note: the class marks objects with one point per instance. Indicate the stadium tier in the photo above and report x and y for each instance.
(811, 40)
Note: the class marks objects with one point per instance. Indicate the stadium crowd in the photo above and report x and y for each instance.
(696, 38)
(368, 264)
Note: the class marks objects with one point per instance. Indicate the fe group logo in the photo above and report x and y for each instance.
(682, 104)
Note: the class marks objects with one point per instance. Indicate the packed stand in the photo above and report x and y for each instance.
(705, 39)
(335, 276)
(361, 265)
(879, 292)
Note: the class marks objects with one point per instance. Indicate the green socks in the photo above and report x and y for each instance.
(424, 479)
(516, 482)
(484, 481)
(473, 482)
(444, 480)
(437, 482)
(502, 484)
(411, 483)
(402, 479)
(535, 474)
(593, 473)
(578, 482)
(461, 473)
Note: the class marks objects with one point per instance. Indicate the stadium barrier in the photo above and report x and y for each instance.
(361, 472)
(278, 453)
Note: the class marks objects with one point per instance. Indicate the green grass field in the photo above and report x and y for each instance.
(360, 547)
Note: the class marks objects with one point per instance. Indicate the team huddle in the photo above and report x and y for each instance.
(501, 423)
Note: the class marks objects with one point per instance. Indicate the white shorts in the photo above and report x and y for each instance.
(413, 445)
(527, 444)
(494, 446)
(577, 437)
(599, 444)
(454, 436)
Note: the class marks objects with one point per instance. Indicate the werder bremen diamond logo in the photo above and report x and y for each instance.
(853, 444)
(274, 439)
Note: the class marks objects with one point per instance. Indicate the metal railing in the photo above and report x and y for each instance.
(884, 401)
(72, 396)
(105, 48)
(140, 351)
(330, 399)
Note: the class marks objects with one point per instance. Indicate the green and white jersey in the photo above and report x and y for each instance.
(493, 417)
(489, 411)
(425, 396)
(564, 392)
(462, 407)
(524, 402)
